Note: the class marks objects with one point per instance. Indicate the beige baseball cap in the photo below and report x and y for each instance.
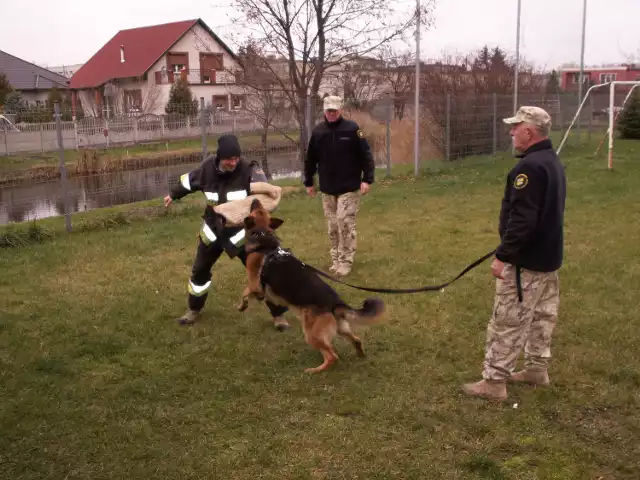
(533, 115)
(332, 103)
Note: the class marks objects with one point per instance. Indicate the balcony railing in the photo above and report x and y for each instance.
(197, 77)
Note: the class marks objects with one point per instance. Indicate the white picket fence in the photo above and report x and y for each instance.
(98, 132)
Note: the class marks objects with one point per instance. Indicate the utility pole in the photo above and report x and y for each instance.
(517, 68)
(581, 79)
(416, 140)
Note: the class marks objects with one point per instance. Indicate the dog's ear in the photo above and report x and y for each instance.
(275, 222)
(249, 222)
(255, 205)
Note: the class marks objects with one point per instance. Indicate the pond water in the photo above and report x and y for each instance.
(40, 200)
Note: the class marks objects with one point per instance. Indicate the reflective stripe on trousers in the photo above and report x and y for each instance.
(198, 290)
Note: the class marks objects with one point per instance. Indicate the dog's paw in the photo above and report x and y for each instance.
(242, 306)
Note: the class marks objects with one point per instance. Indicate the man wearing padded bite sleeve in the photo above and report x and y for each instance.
(224, 177)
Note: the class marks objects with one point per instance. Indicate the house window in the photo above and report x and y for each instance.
(607, 77)
(133, 100)
(219, 102)
(576, 77)
(176, 61)
(237, 101)
(210, 63)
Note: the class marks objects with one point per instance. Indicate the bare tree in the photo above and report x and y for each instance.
(399, 76)
(358, 81)
(265, 98)
(314, 35)
(470, 80)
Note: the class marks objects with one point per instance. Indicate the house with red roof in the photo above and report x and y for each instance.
(134, 71)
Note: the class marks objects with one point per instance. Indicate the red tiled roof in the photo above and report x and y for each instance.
(142, 48)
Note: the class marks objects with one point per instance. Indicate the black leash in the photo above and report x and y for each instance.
(405, 290)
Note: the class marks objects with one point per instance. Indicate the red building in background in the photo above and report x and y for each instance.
(596, 75)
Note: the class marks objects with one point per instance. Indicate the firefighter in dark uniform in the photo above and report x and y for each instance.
(222, 178)
(527, 261)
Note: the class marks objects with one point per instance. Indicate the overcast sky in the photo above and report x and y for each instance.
(73, 30)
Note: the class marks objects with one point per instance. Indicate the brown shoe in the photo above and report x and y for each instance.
(189, 318)
(280, 323)
(492, 390)
(539, 378)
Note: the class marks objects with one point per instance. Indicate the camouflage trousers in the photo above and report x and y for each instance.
(340, 212)
(515, 325)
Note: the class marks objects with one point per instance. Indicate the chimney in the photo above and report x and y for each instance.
(121, 53)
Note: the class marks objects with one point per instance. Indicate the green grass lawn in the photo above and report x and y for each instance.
(99, 382)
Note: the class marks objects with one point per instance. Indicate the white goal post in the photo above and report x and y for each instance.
(612, 90)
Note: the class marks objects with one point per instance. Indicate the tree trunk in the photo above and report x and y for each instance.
(303, 123)
(265, 154)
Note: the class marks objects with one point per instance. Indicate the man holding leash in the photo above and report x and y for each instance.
(341, 156)
(527, 261)
(227, 181)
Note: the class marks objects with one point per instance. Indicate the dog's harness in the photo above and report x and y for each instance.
(270, 258)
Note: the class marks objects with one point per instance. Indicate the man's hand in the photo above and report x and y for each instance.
(311, 191)
(364, 188)
(167, 201)
(497, 267)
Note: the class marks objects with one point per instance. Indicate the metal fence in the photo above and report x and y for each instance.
(125, 130)
(118, 170)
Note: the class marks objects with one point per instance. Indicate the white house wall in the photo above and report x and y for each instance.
(32, 97)
(196, 40)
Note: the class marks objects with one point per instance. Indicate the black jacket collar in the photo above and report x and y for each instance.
(333, 124)
(536, 147)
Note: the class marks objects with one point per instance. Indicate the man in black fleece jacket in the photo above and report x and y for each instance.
(527, 261)
(340, 154)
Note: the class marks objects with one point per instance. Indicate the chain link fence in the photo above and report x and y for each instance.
(101, 162)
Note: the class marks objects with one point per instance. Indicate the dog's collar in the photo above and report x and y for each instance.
(260, 249)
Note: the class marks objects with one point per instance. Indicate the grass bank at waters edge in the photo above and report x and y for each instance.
(21, 168)
(99, 382)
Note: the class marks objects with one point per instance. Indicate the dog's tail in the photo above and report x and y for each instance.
(371, 312)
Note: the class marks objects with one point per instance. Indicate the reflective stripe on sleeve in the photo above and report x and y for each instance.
(184, 180)
(207, 235)
(238, 237)
(236, 195)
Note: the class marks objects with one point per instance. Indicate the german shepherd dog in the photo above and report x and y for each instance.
(287, 281)
(258, 217)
